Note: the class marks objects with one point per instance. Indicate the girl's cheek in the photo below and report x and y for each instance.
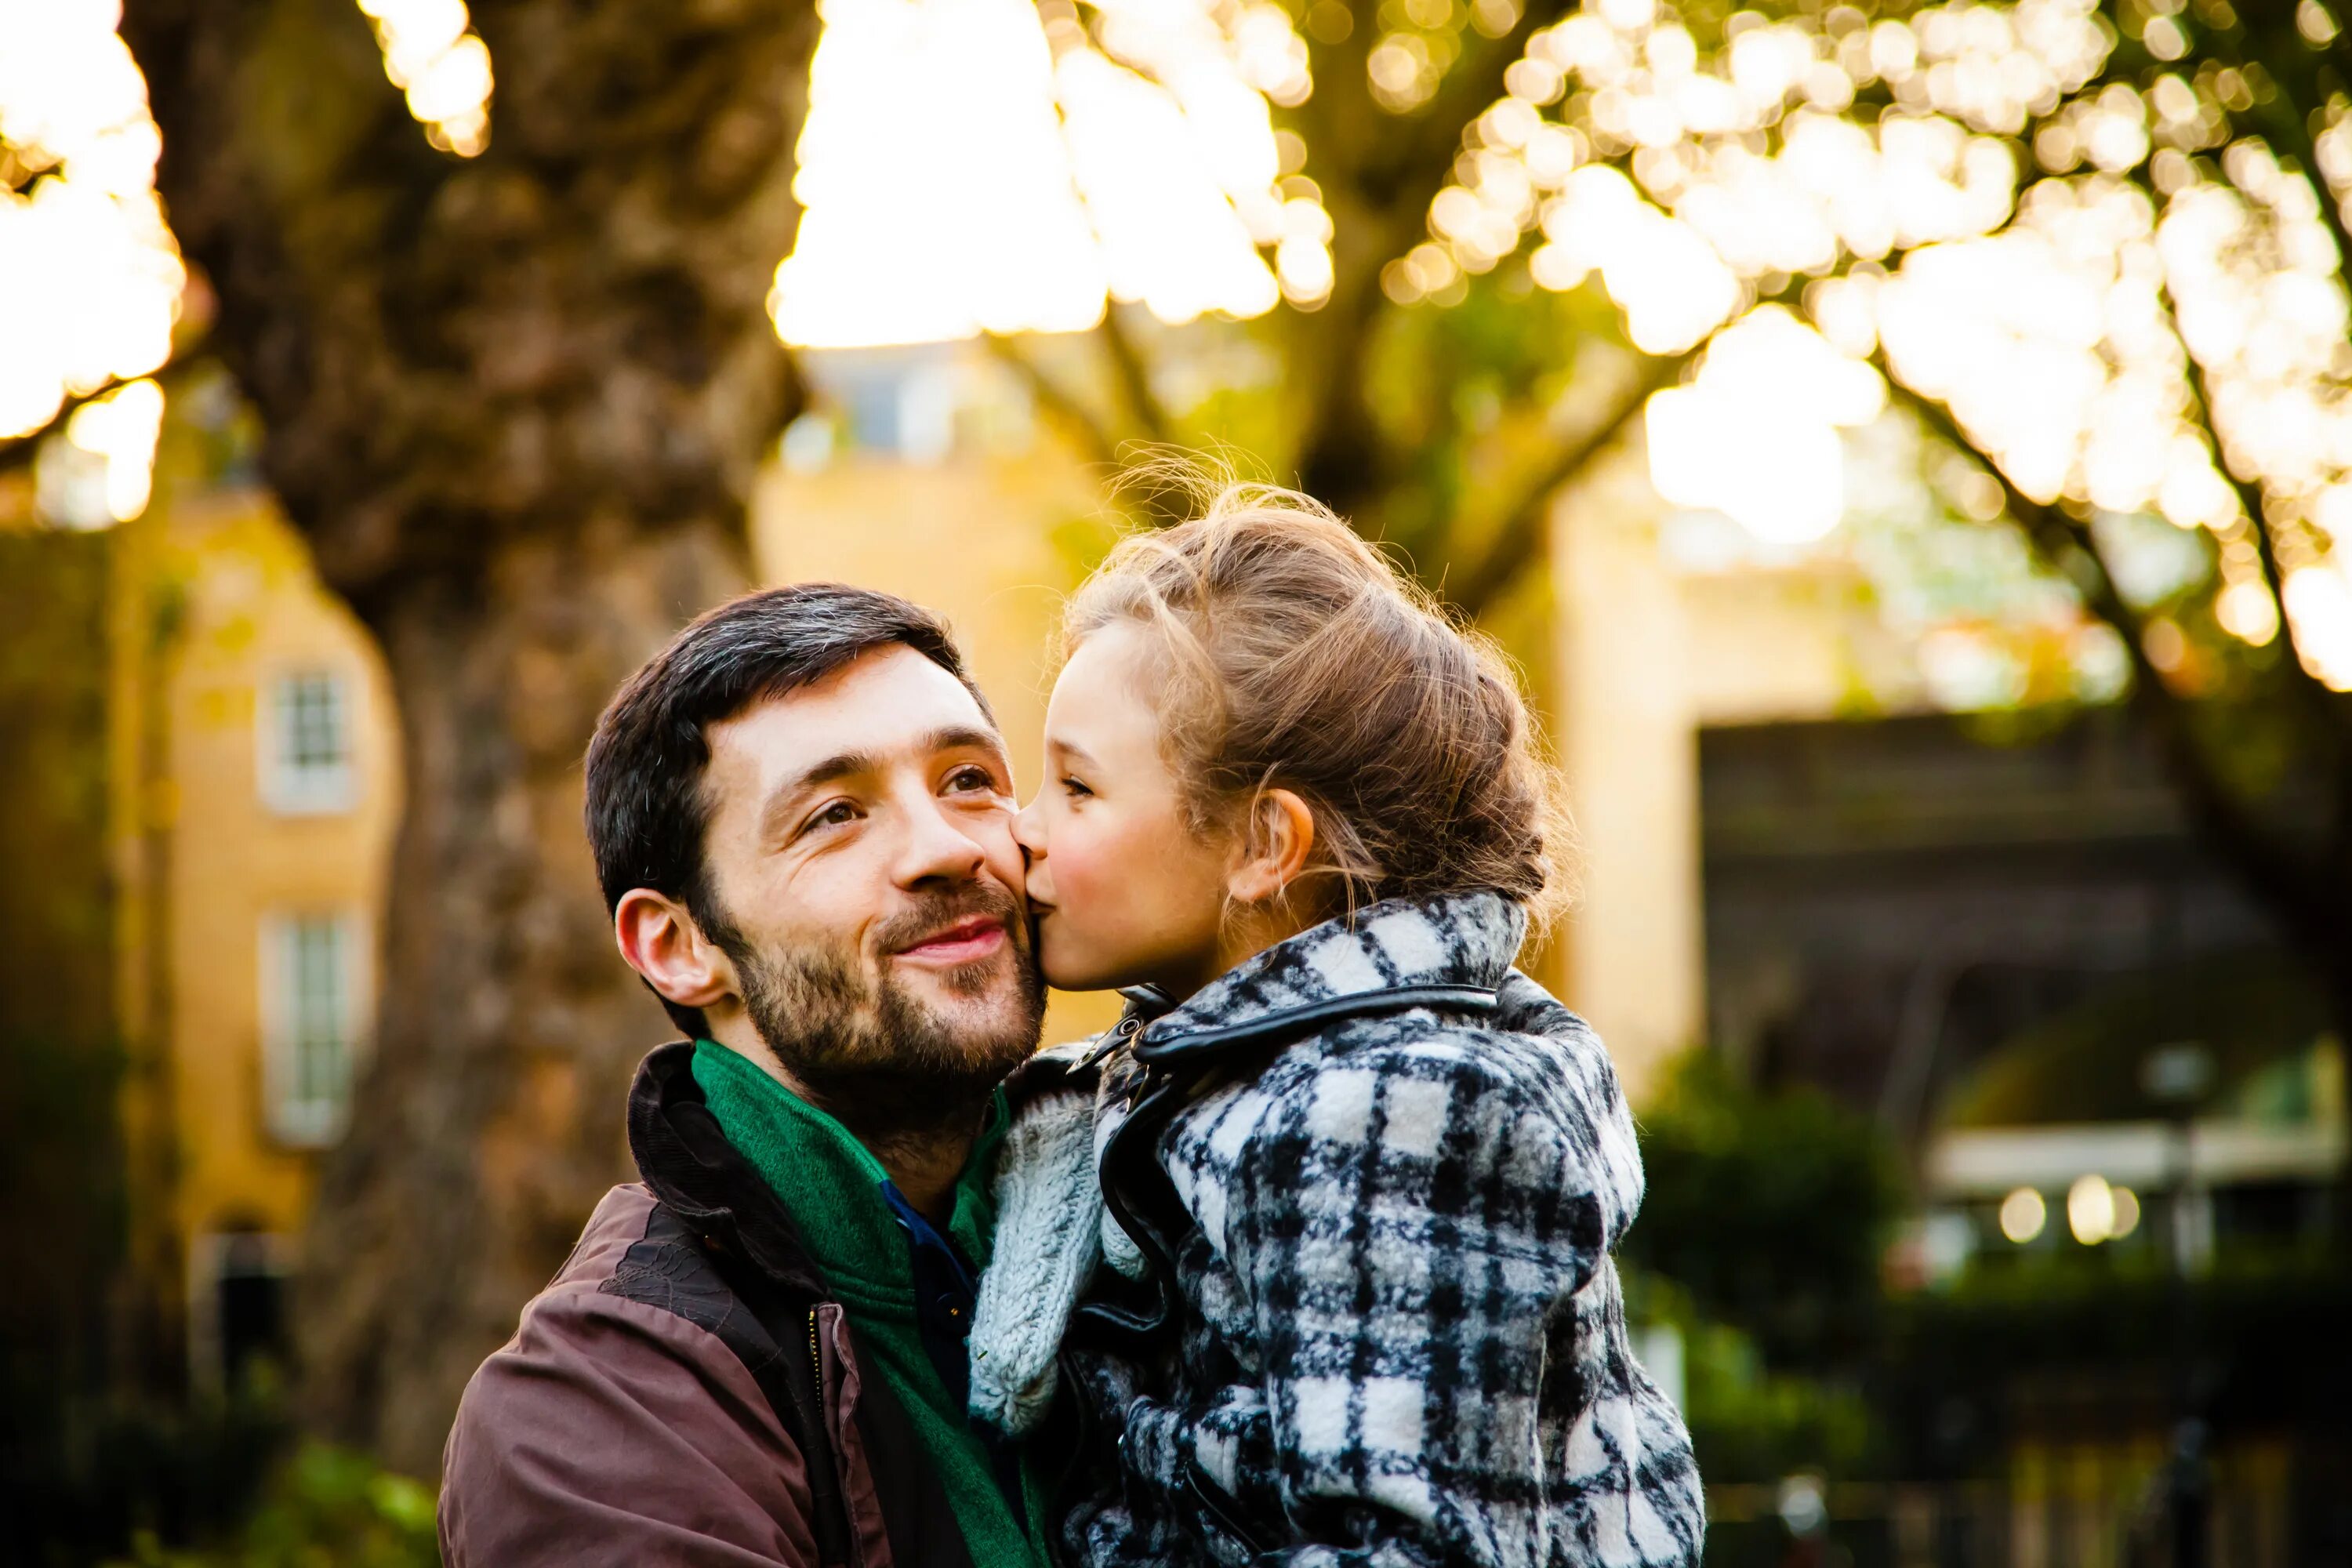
(1073, 862)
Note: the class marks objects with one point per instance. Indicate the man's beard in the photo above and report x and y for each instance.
(874, 1054)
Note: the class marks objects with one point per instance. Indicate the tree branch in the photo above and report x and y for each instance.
(2294, 888)
(2310, 690)
(1378, 198)
(1133, 376)
(1058, 400)
(18, 450)
(1519, 539)
(1422, 154)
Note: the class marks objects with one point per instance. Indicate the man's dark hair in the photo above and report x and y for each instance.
(647, 809)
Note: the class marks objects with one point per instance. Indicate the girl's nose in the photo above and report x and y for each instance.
(1029, 832)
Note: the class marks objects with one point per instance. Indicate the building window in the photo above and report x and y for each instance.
(306, 763)
(314, 1007)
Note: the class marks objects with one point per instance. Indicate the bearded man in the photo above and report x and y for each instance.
(803, 820)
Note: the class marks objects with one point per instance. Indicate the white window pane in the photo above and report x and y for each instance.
(306, 743)
(313, 1008)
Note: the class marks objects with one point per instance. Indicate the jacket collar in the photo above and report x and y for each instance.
(687, 1163)
(1450, 951)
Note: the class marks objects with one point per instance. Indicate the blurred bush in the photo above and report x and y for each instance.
(1758, 1243)
(120, 1467)
(1771, 1209)
(325, 1507)
(1749, 1422)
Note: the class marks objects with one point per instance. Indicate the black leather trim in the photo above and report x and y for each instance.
(1292, 1023)
(1217, 1509)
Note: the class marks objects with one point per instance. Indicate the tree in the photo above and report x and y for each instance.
(2210, 146)
(1444, 432)
(1878, 170)
(515, 401)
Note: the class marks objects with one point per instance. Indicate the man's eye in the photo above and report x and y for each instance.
(965, 780)
(833, 816)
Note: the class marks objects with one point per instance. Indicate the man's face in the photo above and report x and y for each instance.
(868, 890)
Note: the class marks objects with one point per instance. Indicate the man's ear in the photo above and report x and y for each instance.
(1280, 840)
(660, 941)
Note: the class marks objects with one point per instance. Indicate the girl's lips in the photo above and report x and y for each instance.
(960, 943)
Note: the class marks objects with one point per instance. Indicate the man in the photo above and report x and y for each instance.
(802, 817)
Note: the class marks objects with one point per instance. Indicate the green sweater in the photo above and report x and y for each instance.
(832, 1185)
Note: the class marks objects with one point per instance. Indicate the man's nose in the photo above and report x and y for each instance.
(936, 846)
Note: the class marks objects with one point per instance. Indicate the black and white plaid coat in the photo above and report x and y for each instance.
(1402, 1338)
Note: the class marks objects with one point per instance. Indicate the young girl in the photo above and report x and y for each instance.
(1359, 1178)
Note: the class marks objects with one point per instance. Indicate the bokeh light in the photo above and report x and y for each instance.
(2024, 1215)
(984, 166)
(2126, 1213)
(1755, 434)
(432, 54)
(2091, 1209)
(89, 276)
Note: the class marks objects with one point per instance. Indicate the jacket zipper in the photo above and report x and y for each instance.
(816, 1364)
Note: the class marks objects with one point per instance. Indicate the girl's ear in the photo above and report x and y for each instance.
(1275, 849)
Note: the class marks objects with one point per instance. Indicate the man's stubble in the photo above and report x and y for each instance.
(875, 1056)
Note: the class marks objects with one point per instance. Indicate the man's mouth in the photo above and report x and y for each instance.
(976, 937)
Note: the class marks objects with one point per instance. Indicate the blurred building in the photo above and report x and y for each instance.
(245, 734)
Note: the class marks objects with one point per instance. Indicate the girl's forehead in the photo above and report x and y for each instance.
(1109, 670)
(1103, 702)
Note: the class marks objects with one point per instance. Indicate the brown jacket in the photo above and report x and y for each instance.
(685, 1392)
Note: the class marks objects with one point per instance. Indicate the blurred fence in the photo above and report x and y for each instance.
(2084, 1506)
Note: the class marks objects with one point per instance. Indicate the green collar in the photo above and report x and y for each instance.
(833, 1186)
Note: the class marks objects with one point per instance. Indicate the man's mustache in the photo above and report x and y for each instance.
(938, 912)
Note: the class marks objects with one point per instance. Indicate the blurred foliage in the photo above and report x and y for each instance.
(1467, 398)
(117, 1469)
(325, 1507)
(1747, 1422)
(1771, 1209)
(61, 1058)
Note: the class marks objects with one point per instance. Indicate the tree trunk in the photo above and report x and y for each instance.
(490, 1119)
(517, 403)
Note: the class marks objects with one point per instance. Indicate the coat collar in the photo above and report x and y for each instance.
(686, 1159)
(1452, 951)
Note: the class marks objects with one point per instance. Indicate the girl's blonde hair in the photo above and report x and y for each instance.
(1293, 656)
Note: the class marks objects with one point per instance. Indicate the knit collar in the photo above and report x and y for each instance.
(1459, 939)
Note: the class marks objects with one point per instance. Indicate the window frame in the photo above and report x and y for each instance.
(298, 1115)
(296, 786)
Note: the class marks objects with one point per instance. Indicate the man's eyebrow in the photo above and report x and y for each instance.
(840, 765)
(964, 738)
